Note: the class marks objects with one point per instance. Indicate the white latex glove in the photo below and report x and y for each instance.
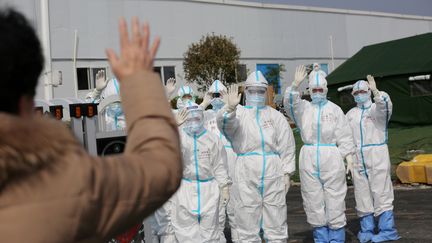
(233, 98)
(372, 85)
(170, 87)
(287, 182)
(206, 100)
(101, 81)
(225, 196)
(300, 75)
(181, 116)
(349, 166)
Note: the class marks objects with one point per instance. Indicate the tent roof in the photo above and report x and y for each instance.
(409, 55)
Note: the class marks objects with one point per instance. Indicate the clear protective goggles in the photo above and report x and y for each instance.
(194, 115)
(255, 90)
(317, 90)
(359, 92)
(186, 97)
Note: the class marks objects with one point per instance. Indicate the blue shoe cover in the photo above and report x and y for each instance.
(387, 229)
(320, 234)
(337, 236)
(367, 226)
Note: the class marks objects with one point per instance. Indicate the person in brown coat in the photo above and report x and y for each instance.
(51, 189)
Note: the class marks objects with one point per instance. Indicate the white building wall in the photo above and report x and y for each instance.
(264, 33)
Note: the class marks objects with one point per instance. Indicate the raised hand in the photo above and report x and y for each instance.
(170, 87)
(300, 75)
(101, 81)
(233, 98)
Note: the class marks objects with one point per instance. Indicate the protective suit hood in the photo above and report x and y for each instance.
(317, 81)
(256, 79)
(364, 86)
(217, 87)
(184, 90)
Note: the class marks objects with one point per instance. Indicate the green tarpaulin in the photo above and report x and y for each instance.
(392, 63)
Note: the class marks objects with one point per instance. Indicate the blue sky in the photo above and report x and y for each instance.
(411, 7)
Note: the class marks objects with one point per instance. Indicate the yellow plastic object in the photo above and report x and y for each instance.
(418, 170)
(426, 158)
(428, 169)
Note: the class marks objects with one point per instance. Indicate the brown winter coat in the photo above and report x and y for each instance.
(52, 190)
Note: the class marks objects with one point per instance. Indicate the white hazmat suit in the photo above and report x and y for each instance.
(114, 116)
(327, 141)
(264, 143)
(372, 180)
(161, 223)
(211, 125)
(196, 214)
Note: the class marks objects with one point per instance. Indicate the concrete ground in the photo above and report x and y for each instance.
(413, 215)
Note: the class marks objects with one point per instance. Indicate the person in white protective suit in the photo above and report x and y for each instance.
(316, 68)
(185, 95)
(215, 96)
(205, 179)
(160, 221)
(114, 116)
(264, 143)
(373, 188)
(327, 141)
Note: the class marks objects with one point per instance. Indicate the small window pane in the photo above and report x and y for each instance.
(83, 78)
(169, 72)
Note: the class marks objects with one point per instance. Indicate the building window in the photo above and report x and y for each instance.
(86, 77)
(421, 87)
(165, 72)
(272, 73)
(83, 78)
(323, 67)
(168, 72)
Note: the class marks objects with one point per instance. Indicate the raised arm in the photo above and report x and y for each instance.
(384, 106)
(127, 188)
(293, 103)
(227, 120)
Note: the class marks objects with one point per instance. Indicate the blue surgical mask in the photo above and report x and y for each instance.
(255, 100)
(318, 97)
(217, 104)
(361, 98)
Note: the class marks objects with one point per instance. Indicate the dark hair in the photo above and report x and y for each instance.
(21, 60)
